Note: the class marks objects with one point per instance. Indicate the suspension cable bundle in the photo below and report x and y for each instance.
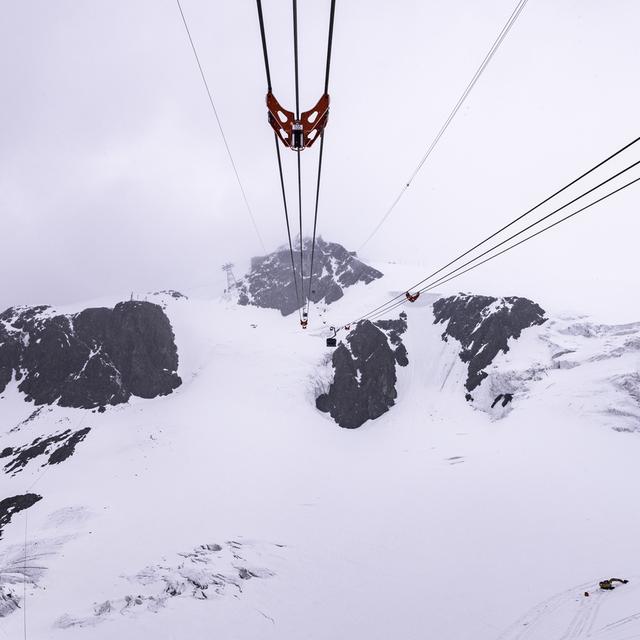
(298, 131)
(429, 283)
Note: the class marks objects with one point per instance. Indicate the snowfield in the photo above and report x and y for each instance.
(233, 509)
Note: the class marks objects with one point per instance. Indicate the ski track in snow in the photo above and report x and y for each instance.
(614, 626)
(582, 612)
(584, 618)
(526, 625)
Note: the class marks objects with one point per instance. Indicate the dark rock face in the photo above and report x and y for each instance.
(176, 295)
(506, 398)
(270, 283)
(11, 506)
(363, 386)
(57, 448)
(96, 357)
(394, 330)
(484, 325)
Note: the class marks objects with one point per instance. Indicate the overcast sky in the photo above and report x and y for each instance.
(113, 175)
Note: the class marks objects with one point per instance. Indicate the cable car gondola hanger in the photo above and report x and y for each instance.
(298, 133)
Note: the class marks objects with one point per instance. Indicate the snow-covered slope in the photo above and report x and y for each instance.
(233, 508)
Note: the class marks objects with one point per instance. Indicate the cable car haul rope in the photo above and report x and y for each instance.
(298, 131)
(429, 283)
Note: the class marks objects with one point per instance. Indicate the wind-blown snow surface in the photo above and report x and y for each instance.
(436, 520)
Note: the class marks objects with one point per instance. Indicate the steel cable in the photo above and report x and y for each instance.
(514, 221)
(224, 137)
(487, 59)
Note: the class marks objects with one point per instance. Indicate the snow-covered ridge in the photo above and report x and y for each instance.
(269, 283)
(594, 364)
(484, 326)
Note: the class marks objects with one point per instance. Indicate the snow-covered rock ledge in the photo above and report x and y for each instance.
(484, 327)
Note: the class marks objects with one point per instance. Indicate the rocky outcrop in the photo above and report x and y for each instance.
(90, 359)
(57, 448)
(364, 381)
(269, 283)
(10, 506)
(394, 330)
(484, 325)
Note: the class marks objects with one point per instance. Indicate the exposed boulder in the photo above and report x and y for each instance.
(484, 325)
(363, 386)
(503, 398)
(90, 359)
(269, 283)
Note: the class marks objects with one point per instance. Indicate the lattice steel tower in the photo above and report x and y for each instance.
(232, 283)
